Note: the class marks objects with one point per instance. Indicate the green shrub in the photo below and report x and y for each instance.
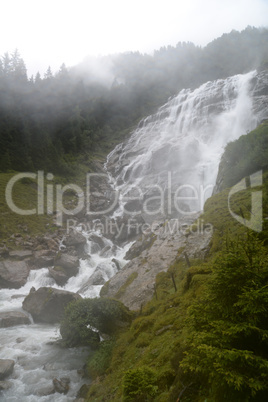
(140, 385)
(85, 318)
(100, 361)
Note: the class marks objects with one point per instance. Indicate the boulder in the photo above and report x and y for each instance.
(13, 274)
(59, 275)
(117, 264)
(46, 390)
(20, 254)
(4, 385)
(97, 240)
(74, 239)
(42, 259)
(69, 262)
(48, 304)
(66, 266)
(61, 385)
(12, 318)
(6, 368)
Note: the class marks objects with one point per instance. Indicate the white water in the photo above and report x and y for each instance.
(37, 362)
(184, 139)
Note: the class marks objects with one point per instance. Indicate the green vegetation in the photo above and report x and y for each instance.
(244, 156)
(140, 385)
(25, 197)
(85, 318)
(52, 123)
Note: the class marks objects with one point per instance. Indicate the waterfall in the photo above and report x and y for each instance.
(173, 154)
(182, 143)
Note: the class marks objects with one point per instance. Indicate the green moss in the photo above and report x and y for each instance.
(244, 156)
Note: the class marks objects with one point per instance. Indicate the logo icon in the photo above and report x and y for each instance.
(255, 221)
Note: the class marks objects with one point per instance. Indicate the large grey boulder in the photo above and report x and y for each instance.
(59, 275)
(12, 318)
(42, 258)
(48, 304)
(68, 262)
(13, 274)
(6, 368)
(66, 265)
(74, 239)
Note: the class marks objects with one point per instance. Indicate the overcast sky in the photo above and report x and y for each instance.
(51, 32)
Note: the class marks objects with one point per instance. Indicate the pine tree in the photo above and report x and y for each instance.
(228, 327)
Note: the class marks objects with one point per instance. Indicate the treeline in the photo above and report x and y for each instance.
(45, 123)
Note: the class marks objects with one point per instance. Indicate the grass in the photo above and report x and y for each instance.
(25, 197)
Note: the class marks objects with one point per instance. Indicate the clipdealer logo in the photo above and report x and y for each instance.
(256, 212)
(50, 197)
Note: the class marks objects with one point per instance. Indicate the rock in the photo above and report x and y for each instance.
(66, 266)
(52, 244)
(106, 252)
(97, 240)
(45, 391)
(4, 385)
(20, 340)
(81, 251)
(127, 228)
(59, 275)
(95, 279)
(12, 318)
(42, 259)
(6, 368)
(117, 264)
(4, 251)
(139, 246)
(61, 385)
(168, 246)
(164, 329)
(48, 304)
(13, 274)
(74, 239)
(68, 262)
(20, 254)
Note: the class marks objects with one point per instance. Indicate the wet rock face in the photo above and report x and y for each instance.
(13, 274)
(61, 385)
(48, 304)
(74, 239)
(12, 318)
(6, 368)
(66, 266)
(152, 254)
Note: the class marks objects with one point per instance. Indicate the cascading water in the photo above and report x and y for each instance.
(178, 147)
(181, 145)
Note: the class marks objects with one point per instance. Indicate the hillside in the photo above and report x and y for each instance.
(172, 302)
(203, 334)
(51, 123)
